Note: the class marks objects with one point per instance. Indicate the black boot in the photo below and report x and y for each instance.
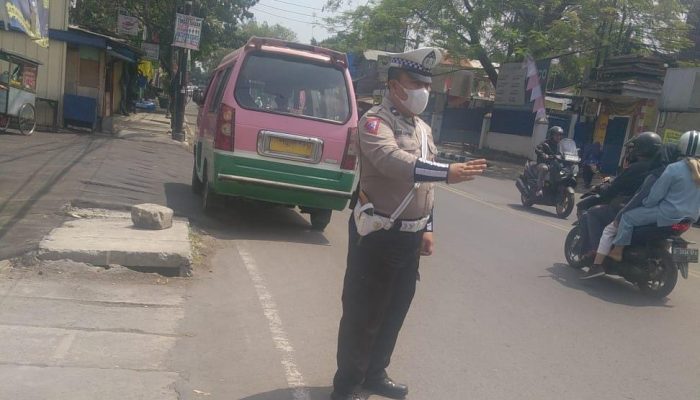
(386, 387)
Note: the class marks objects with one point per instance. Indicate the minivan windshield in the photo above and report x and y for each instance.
(293, 86)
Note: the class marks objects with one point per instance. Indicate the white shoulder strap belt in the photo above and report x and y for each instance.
(412, 193)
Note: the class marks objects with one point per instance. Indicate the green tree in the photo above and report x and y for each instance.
(368, 27)
(220, 27)
(247, 30)
(277, 31)
(496, 31)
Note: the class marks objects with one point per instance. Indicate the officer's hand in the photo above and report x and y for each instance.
(426, 248)
(466, 171)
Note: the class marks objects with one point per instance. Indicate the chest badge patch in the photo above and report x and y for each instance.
(372, 125)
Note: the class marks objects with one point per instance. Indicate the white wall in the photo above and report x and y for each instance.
(514, 144)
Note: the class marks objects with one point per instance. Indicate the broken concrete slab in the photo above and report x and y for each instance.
(57, 347)
(92, 290)
(105, 241)
(148, 319)
(40, 383)
(151, 216)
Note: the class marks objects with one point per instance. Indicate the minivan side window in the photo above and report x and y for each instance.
(294, 86)
(220, 88)
(212, 79)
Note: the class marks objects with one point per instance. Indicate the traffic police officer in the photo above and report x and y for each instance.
(391, 226)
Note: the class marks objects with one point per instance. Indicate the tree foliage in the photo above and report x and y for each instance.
(247, 30)
(263, 29)
(220, 27)
(496, 31)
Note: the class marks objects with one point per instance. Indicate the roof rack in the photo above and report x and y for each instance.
(336, 57)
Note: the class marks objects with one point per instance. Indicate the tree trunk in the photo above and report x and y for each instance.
(488, 66)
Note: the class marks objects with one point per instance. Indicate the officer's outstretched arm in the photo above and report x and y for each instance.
(378, 144)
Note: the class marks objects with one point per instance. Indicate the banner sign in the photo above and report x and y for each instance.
(151, 50)
(188, 30)
(30, 17)
(672, 136)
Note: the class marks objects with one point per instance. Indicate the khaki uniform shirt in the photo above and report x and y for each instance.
(390, 144)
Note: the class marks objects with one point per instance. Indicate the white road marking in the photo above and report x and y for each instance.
(295, 380)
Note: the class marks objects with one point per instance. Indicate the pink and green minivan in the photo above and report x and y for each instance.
(276, 124)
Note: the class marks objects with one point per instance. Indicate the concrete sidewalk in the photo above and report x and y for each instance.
(71, 331)
(46, 172)
(104, 238)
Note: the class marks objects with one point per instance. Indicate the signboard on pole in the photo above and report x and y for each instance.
(510, 89)
(127, 25)
(30, 17)
(151, 50)
(188, 30)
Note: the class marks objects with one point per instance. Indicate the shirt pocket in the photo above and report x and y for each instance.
(408, 144)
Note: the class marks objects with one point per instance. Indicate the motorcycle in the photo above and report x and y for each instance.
(651, 261)
(559, 186)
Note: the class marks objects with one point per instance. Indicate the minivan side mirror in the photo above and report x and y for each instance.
(198, 97)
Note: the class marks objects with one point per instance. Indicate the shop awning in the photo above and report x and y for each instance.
(83, 37)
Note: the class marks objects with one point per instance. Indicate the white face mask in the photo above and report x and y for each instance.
(417, 100)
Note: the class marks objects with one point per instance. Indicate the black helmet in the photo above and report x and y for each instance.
(646, 144)
(555, 130)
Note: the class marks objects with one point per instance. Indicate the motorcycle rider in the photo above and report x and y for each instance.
(546, 151)
(668, 154)
(641, 156)
(674, 197)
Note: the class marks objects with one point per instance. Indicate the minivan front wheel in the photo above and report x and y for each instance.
(320, 218)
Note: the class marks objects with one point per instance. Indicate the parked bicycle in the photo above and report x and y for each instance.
(17, 92)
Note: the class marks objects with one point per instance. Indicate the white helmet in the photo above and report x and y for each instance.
(689, 144)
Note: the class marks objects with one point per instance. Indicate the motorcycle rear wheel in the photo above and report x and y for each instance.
(572, 248)
(662, 283)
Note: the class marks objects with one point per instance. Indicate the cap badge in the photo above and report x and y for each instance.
(429, 60)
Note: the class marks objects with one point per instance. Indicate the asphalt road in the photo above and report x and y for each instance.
(497, 315)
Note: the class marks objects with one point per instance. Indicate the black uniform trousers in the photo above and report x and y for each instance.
(592, 224)
(380, 281)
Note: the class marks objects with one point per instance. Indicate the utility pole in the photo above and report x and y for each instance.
(181, 95)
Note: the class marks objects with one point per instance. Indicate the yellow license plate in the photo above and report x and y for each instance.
(292, 147)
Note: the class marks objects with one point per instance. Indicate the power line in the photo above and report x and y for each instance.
(298, 5)
(286, 11)
(298, 20)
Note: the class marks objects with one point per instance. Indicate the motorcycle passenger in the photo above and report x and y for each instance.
(669, 154)
(674, 197)
(546, 151)
(642, 158)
